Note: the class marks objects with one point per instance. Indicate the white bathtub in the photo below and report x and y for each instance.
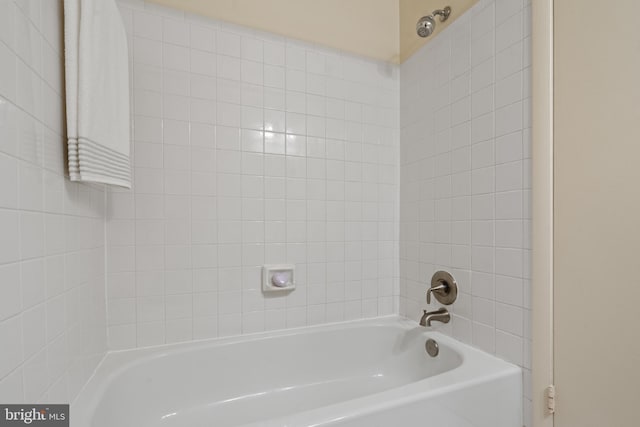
(365, 373)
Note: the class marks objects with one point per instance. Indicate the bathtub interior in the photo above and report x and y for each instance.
(264, 378)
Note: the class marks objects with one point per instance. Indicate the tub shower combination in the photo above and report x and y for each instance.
(375, 373)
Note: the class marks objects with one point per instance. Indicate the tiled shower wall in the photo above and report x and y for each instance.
(52, 302)
(253, 149)
(465, 178)
(250, 149)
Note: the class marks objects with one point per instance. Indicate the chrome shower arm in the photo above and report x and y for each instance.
(442, 13)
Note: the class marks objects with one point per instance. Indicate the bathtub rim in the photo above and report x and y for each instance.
(476, 367)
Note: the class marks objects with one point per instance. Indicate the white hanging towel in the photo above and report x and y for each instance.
(97, 89)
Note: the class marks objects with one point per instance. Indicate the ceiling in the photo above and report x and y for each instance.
(379, 29)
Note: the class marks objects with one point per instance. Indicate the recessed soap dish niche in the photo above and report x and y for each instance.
(278, 278)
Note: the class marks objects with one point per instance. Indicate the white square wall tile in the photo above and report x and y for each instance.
(150, 333)
(11, 303)
(12, 388)
(510, 319)
(35, 377)
(33, 282)
(147, 25)
(509, 234)
(202, 37)
(11, 335)
(7, 72)
(8, 179)
(10, 230)
(509, 262)
(30, 197)
(175, 32)
(34, 326)
(484, 337)
(510, 31)
(229, 43)
(509, 347)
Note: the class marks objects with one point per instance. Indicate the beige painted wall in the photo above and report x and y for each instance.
(597, 213)
(379, 29)
(363, 27)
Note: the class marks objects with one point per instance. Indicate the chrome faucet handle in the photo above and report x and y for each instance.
(442, 287)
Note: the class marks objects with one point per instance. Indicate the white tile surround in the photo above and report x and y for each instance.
(465, 178)
(52, 242)
(250, 149)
